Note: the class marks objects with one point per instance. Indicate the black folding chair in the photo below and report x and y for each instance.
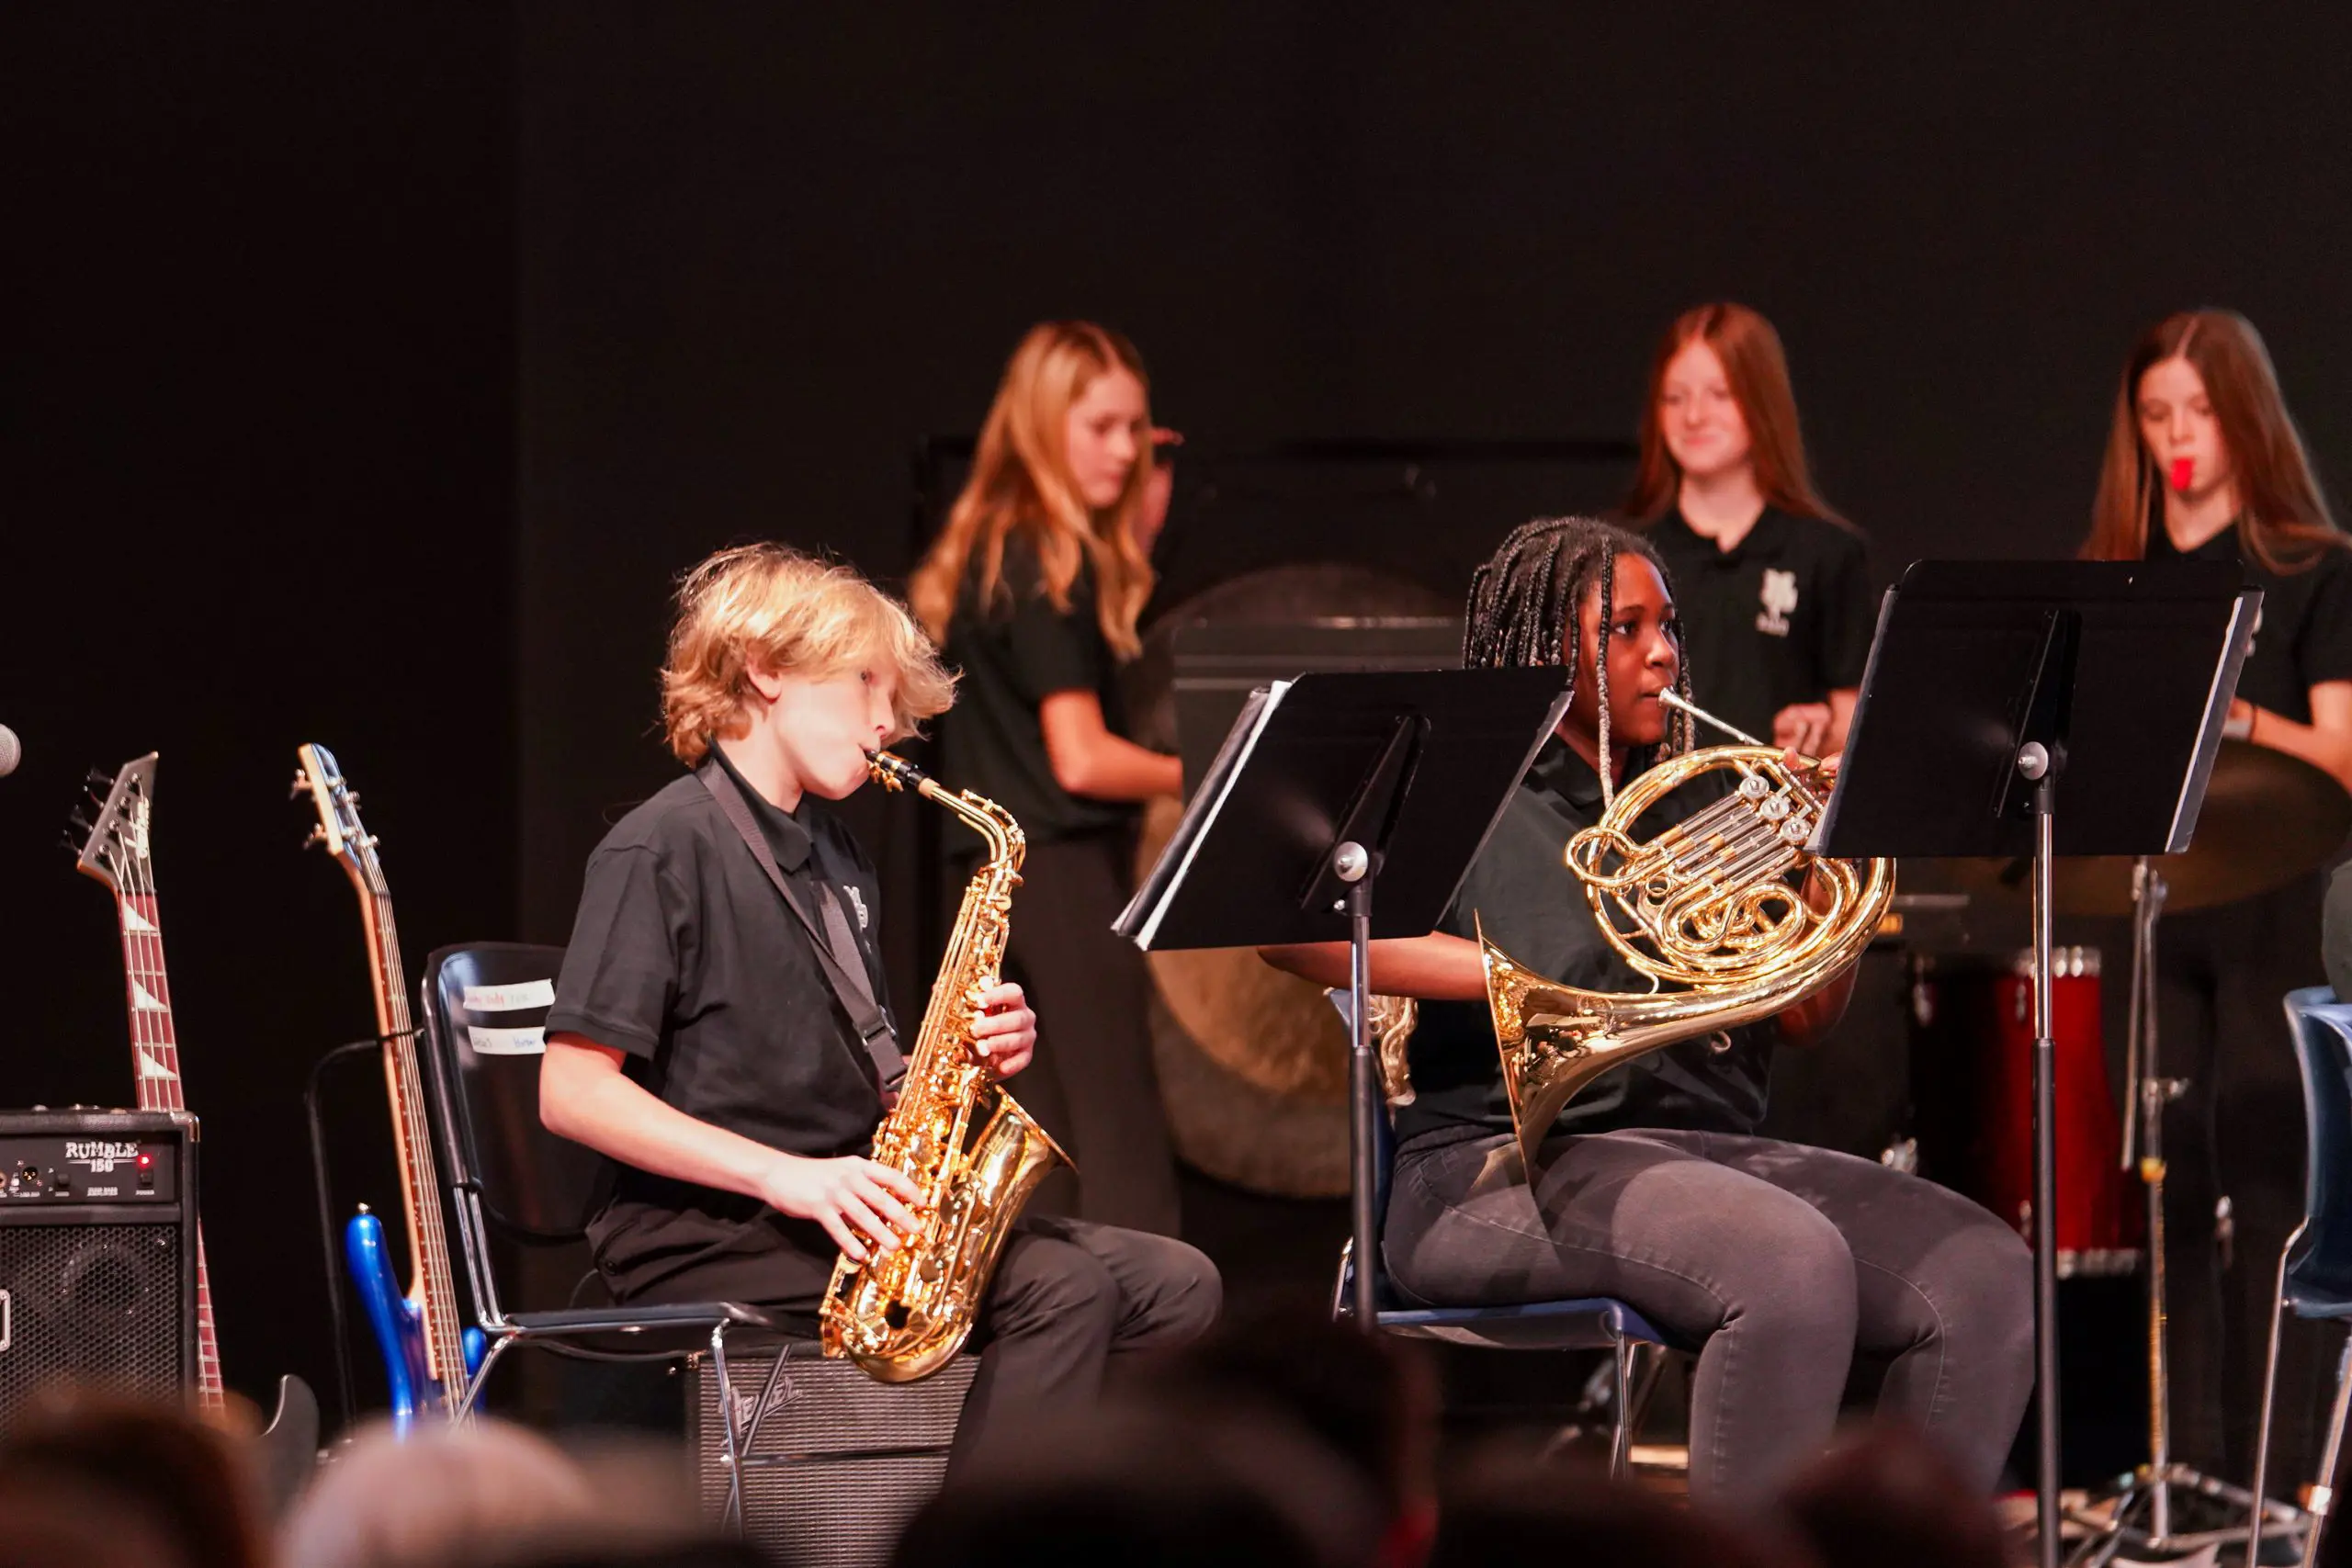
(485, 1008)
(1589, 1322)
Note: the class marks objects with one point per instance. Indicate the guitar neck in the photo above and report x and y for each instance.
(432, 1285)
(155, 1064)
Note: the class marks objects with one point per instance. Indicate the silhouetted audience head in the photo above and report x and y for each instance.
(1371, 1399)
(47, 1523)
(1510, 1511)
(1149, 1488)
(1886, 1494)
(147, 1481)
(487, 1495)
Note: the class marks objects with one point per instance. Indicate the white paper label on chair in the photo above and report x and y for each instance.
(531, 1041)
(510, 999)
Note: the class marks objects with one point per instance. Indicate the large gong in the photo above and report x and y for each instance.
(1253, 1063)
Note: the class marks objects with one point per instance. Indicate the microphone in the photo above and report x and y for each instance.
(12, 751)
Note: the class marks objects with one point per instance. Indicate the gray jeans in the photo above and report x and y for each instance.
(1779, 1263)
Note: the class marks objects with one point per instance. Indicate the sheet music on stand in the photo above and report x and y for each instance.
(1303, 760)
(1140, 920)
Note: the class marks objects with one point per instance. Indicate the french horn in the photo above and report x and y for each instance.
(1726, 913)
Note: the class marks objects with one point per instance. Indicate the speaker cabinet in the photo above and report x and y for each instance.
(97, 1254)
(841, 1461)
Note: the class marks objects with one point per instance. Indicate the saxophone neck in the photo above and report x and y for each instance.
(992, 822)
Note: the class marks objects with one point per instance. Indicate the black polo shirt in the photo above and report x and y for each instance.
(1015, 650)
(1533, 908)
(684, 956)
(2303, 634)
(1783, 617)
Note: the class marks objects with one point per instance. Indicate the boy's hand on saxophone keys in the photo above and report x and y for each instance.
(865, 1207)
(1004, 1032)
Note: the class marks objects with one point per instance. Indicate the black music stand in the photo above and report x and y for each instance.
(1988, 682)
(1325, 785)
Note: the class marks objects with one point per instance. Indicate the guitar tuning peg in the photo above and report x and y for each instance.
(318, 835)
(78, 820)
(302, 786)
(99, 778)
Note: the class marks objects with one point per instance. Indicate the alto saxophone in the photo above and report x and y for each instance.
(972, 1153)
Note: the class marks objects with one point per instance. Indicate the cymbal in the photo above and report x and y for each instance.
(2267, 818)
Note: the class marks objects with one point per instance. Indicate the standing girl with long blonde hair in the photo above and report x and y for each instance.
(1034, 589)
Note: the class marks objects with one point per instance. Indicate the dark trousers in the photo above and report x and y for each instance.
(1780, 1263)
(2237, 1134)
(1092, 1084)
(1067, 1297)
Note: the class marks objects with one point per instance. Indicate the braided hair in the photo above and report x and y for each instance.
(1524, 610)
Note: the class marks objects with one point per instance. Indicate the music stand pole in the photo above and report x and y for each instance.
(2034, 763)
(1351, 864)
(2000, 677)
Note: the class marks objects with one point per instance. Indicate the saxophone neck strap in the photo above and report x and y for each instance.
(836, 950)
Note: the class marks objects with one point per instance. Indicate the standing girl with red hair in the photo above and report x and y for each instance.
(1773, 587)
(1033, 589)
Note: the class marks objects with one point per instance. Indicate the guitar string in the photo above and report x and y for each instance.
(424, 1198)
(144, 951)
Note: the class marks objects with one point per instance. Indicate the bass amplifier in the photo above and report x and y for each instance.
(841, 1461)
(97, 1254)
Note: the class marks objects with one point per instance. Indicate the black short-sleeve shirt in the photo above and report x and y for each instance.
(2303, 634)
(1534, 908)
(1784, 616)
(1015, 650)
(684, 956)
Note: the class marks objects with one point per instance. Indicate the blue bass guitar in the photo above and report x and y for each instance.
(430, 1356)
(397, 1324)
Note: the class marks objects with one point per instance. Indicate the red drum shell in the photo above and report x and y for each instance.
(1972, 1069)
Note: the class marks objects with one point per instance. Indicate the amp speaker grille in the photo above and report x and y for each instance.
(94, 1306)
(842, 1461)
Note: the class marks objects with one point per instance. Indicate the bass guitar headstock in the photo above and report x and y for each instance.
(338, 827)
(112, 844)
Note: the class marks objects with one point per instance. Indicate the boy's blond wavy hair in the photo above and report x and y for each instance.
(767, 607)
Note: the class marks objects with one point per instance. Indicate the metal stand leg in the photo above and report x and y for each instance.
(1621, 1446)
(2148, 1499)
(732, 1522)
(2324, 1487)
(2270, 1390)
(472, 1401)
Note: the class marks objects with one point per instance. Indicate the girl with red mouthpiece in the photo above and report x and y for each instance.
(2203, 461)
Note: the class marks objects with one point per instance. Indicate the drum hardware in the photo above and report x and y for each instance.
(2267, 818)
(2150, 1491)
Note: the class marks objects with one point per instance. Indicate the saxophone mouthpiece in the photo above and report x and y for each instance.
(895, 773)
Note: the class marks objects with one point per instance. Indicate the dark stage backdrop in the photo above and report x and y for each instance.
(763, 248)
(258, 446)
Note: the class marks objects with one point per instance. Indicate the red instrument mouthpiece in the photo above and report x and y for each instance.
(2183, 471)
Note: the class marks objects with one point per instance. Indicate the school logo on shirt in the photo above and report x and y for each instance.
(858, 903)
(1779, 598)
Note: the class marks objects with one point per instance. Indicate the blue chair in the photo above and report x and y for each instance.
(1596, 1323)
(2315, 1268)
